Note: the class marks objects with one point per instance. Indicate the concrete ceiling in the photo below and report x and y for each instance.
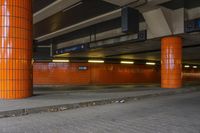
(54, 18)
(52, 15)
(148, 50)
(40, 4)
(121, 2)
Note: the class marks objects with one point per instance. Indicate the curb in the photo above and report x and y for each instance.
(63, 107)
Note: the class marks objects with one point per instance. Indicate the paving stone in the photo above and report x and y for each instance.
(166, 114)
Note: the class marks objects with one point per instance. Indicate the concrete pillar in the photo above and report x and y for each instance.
(15, 49)
(171, 62)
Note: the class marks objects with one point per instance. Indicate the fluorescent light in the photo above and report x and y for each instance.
(60, 61)
(194, 66)
(96, 61)
(150, 63)
(187, 66)
(127, 62)
(62, 55)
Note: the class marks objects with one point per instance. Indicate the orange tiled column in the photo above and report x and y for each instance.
(15, 49)
(171, 62)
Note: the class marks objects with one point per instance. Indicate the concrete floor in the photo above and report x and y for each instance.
(166, 114)
(45, 97)
(59, 99)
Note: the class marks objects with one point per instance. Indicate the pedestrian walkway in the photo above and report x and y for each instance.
(45, 101)
(166, 114)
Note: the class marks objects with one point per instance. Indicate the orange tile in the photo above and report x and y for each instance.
(171, 66)
(15, 48)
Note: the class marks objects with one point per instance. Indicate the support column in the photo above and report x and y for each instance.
(15, 49)
(171, 62)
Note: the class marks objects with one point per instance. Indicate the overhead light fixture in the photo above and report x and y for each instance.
(187, 66)
(96, 61)
(62, 55)
(60, 61)
(150, 63)
(194, 67)
(127, 62)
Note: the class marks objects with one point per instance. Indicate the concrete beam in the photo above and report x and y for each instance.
(164, 22)
(192, 13)
(120, 2)
(87, 39)
(157, 23)
(116, 40)
(52, 9)
(92, 21)
(99, 36)
(151, 5)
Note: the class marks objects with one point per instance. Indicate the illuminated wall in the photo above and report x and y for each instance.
(100, 74)
(69, 73)
(190, 74)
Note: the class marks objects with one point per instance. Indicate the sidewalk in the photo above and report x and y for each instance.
(51, 101)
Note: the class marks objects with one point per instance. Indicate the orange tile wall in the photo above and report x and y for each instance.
(191, 74)
(99, 74)
(68, 74)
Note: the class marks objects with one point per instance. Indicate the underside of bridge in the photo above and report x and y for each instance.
(97, 42)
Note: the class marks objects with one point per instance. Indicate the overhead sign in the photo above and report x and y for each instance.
(192, 25)
(76, 48)
(83, 68)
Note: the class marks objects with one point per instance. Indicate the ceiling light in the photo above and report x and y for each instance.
(127, 62)
(96, 61)
(62, 55)
(60, 61)
(195, 67)
(150, 63)
(187, 66)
